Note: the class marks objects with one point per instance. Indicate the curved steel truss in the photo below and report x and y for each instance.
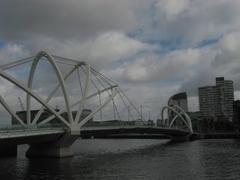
(180, 114)
(91, 77)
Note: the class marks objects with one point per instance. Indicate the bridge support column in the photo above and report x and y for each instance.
(8, 150)
(58, 149)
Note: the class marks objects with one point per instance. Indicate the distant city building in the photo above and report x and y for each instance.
(150, 123)
(216, 102)
(236, 114)
(159, 123)
(196, 118)
(140, 122)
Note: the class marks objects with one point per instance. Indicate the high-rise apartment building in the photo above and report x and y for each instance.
(217, 101)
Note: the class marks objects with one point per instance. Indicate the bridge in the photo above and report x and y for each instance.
(51, 131)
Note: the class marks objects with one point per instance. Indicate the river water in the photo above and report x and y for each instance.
(123, 159)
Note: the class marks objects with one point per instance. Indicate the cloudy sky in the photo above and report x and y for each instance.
(152, 48)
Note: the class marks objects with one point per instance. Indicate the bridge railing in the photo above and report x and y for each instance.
(32, 128)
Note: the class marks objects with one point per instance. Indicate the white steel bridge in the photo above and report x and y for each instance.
(79, 86)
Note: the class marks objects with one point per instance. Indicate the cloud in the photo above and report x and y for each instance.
(152, 48)
(171, 9)
(154, 67)
(226, 62)
(11, 52)
(63, 20)
(222, 59)
(100, 51)
(114, 46)
(152, 96)
(187, 23)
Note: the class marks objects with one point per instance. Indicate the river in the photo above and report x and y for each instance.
(124, 159)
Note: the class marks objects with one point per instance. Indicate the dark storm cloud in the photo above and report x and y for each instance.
(76, 19)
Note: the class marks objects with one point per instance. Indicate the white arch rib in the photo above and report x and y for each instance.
(185, 114)
(175, 118)
(60, 79)
(178, 114)
(187, 123)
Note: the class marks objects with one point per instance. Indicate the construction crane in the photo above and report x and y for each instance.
(21, 104)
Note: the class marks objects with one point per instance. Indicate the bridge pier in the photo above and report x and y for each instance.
(58, 149)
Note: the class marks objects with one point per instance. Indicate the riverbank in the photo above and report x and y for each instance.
(195, 136)
(216, 135)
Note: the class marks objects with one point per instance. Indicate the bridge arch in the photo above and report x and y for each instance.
(35, 62)
(109, 89)
(185, 115)
(182, 115)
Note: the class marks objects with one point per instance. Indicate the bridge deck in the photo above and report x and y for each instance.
(87, 132)
(28, 132)
(26, 136)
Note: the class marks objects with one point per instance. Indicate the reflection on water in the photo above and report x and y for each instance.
(132, 159)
